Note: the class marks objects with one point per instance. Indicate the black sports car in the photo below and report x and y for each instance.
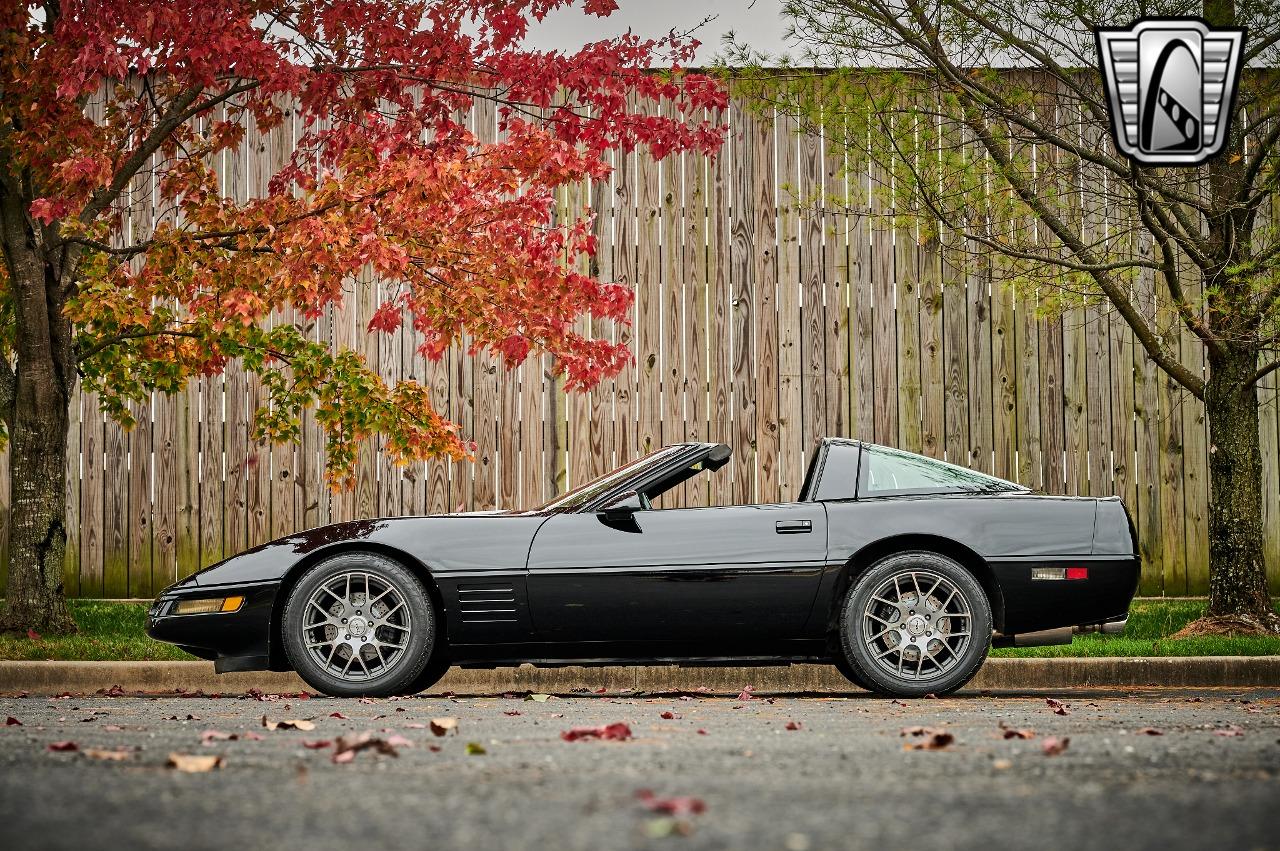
(899, 569)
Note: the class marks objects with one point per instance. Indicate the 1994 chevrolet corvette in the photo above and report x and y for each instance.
(898, 569)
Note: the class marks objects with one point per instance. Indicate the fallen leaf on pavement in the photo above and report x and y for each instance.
(338, 715)
(347, 747)
(1148, 731)
(12, 722)
(117, 755)
(669, 716)
(1229, 731)
(63, 746)
(475, 749)
(194, 763)
(540, 698)
(208, 737)
(746, 693)
(398, 741)
(442, 726)
(1002, 765)
(672, 806)
(1052, 745)
(1058, 707)
(294, 724)
(664, 826)
(511, 712)
(793, 725)
(930, 740)
(615, 732)
(1015, 733)
(316, 744)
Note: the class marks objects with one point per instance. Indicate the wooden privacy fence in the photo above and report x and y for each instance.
(759, 322)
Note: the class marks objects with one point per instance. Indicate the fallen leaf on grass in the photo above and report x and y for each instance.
(294, 724)
(194, 763)
(442, 726)
(679, 805)
(12, 722)
(62, 747)
(1148, 731)
(117, 755)
(475, 749)
(1052, 745)
(33, 635)
(1058, 707)
(615, 732)
(347, 747)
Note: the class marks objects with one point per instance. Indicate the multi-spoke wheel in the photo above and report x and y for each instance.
(915, 623)
(359, 623)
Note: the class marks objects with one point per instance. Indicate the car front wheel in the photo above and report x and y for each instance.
(915, 623)
(359, 624)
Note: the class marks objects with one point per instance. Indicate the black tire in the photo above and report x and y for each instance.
(847, 671)
(944, 665)
(431, 674)
(400, 672)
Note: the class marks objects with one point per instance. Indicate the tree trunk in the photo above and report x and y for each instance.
(37, 537)
(1237, 572)
(37, 393)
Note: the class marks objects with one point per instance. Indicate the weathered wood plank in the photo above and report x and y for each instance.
(767, 438)
(742, 294)
(722, 316)
(932, 366)
(791, 442)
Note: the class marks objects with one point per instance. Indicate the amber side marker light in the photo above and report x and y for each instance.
(208, 606)
(1059, 573)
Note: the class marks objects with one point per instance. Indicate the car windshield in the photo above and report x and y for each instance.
(585, 494)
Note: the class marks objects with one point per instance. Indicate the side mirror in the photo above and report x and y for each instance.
(622, 506)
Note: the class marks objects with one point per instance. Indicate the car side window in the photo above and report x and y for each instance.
(887, 472)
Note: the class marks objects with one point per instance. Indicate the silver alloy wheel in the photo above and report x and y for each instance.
(917, 624)
(356, 626)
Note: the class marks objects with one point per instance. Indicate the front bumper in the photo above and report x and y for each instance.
(235, 641)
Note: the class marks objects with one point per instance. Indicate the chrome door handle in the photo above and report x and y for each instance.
(792, 527)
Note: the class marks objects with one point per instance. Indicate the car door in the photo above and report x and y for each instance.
(689, 574)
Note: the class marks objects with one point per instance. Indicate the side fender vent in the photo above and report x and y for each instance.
(487, 602)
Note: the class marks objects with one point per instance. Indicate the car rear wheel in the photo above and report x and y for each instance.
(915, 623)
(359, 624)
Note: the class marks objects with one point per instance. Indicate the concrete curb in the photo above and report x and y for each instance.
(50, 678)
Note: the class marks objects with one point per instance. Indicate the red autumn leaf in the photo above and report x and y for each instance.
(793, 725)
(1230, 731)
(63, 746)
(746, 693)
(1052, 745)
(338, 715)
(1015, 733)
(12, 722)
(511, 712)
(1058, 707)
(316, 744)
(1149, 731)
(346, 747)
(33, 635)
(669, 716)
(673, 806)
(609, 732)
(701, 732)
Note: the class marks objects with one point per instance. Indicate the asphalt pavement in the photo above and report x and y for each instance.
(1070, 770)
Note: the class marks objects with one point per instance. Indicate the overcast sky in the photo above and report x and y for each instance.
(756, 22)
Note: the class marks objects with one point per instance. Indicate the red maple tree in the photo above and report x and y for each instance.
(101, 97)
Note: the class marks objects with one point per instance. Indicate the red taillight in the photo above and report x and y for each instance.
(1077, 573)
